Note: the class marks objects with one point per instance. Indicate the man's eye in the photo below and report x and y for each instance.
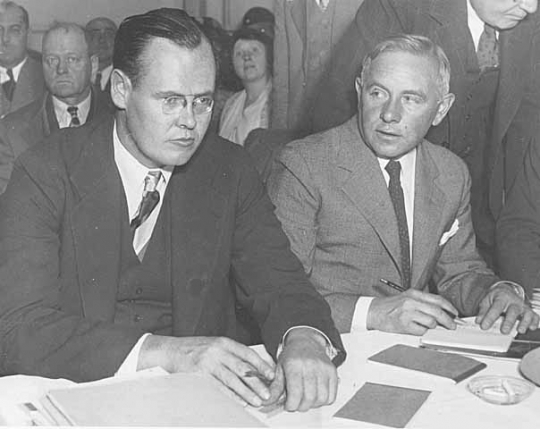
(376, 94)
(412, 99)
(173, 101)
(73, 60)
(203, 101)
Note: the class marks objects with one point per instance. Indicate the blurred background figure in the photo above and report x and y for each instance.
(307, 33)
(21, 76)
(249, 108)
(227, 83)
(101, 32)
(70, 99)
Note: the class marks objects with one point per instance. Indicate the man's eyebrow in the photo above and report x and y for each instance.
(165, 94)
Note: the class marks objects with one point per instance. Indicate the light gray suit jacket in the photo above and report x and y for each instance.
(334, 205)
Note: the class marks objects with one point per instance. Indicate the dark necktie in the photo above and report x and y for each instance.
(9, 85)
(98, 80)
(149, 201)
(488, 49)
(75, 122)
(396, 195)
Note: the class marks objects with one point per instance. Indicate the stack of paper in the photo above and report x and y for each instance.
(168, 400)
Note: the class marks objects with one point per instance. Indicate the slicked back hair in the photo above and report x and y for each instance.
(136, 31)
(7, 4)
(417, 45)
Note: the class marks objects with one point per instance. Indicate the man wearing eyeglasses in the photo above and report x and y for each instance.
(119, 240)
(69, 101)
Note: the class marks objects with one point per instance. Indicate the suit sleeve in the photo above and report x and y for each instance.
(460, 274)
(293, 190)
(272, 282)
(374, 22)
(518, 228)
(37, 335)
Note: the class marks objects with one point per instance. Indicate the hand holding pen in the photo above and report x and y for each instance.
(410, 312)
(400, 288)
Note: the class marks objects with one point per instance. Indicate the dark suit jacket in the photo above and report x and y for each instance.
(518, 229)
(60, 256)
(333, 203)
(30, 125)
(30, 86)
(445, 22)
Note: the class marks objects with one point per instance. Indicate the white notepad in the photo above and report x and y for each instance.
(469, 337)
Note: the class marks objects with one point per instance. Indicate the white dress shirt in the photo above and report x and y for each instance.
(16, 72)
(105, 75)
(407, 179)
(476, 25)
(64, 117)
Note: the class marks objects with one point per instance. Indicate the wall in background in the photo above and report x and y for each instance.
(44, 12)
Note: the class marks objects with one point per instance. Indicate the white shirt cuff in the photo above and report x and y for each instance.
(331, 351)
(360, 315)
(129, 366)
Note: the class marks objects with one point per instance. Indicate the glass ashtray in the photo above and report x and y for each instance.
(500, 389)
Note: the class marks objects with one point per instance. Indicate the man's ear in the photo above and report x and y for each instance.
(358, 85)
(443, 108)
(120, 88)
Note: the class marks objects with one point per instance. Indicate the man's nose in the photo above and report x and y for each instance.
(391, 111)
(62, 67)
(187, 118)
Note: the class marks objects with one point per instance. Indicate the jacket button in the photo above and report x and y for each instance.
(137, 318)
(138, 291)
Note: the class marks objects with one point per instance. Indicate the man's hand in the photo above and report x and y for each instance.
(305, 372)
(224, 359)
(410, 312)
(503, 300)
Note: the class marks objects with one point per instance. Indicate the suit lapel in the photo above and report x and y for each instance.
(363, 183)
(199, 192)
(429, 201)
(96, 222)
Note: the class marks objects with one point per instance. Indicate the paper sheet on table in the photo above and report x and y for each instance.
(383, 405)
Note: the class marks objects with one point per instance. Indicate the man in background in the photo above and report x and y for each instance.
(69, 101)
(371, 207)
(118, 241)
(21, 76)
(101, 32)
(494, 51)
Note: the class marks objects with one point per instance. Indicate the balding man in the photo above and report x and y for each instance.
(101, 32)
(69, 100)
(21, 76)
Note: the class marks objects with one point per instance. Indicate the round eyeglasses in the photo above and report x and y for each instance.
(174, 104)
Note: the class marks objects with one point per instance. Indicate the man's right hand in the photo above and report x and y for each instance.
(410, 312)
(222, 358)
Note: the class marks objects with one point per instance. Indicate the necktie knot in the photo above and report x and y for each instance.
(488, 48)
(394, 169)
(150, 198)
(9, 85)
(73, 112)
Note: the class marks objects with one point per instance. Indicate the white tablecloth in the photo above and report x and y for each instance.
(449, 406)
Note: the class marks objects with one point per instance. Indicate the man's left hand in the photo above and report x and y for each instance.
(305, 372)
(503, 300)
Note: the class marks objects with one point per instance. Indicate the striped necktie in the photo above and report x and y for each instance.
(398, 201)
(149, 201)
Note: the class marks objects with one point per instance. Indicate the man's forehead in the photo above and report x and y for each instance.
(61, 38)
(100, 23)
(11, 15)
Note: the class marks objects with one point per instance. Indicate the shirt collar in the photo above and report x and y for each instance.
(476, 25)
(16, 71)
(407, 161)
(62, 115)
(132, 174)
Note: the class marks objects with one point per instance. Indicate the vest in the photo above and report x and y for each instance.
(144, 294)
